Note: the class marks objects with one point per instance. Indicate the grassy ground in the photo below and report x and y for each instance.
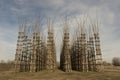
(60, 75)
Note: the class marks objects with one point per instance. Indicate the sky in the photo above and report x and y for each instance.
(108, 12)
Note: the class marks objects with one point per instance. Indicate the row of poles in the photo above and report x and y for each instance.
(84, 52)
(34, 54)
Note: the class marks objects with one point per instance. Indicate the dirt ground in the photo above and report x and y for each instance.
(60, 75)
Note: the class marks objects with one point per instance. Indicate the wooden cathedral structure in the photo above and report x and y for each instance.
(34, 53)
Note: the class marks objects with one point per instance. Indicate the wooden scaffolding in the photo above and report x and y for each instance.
(65, 57)
(83, 54)
(51, 52)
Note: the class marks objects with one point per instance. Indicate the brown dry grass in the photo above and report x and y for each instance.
(109, 73)
(60, 75)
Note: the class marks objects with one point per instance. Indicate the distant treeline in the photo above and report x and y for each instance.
(6, 65)
(116, 61)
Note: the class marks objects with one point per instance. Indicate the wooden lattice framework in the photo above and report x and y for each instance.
(34, 54)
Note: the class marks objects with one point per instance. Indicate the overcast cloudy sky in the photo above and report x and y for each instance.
(107, 10)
